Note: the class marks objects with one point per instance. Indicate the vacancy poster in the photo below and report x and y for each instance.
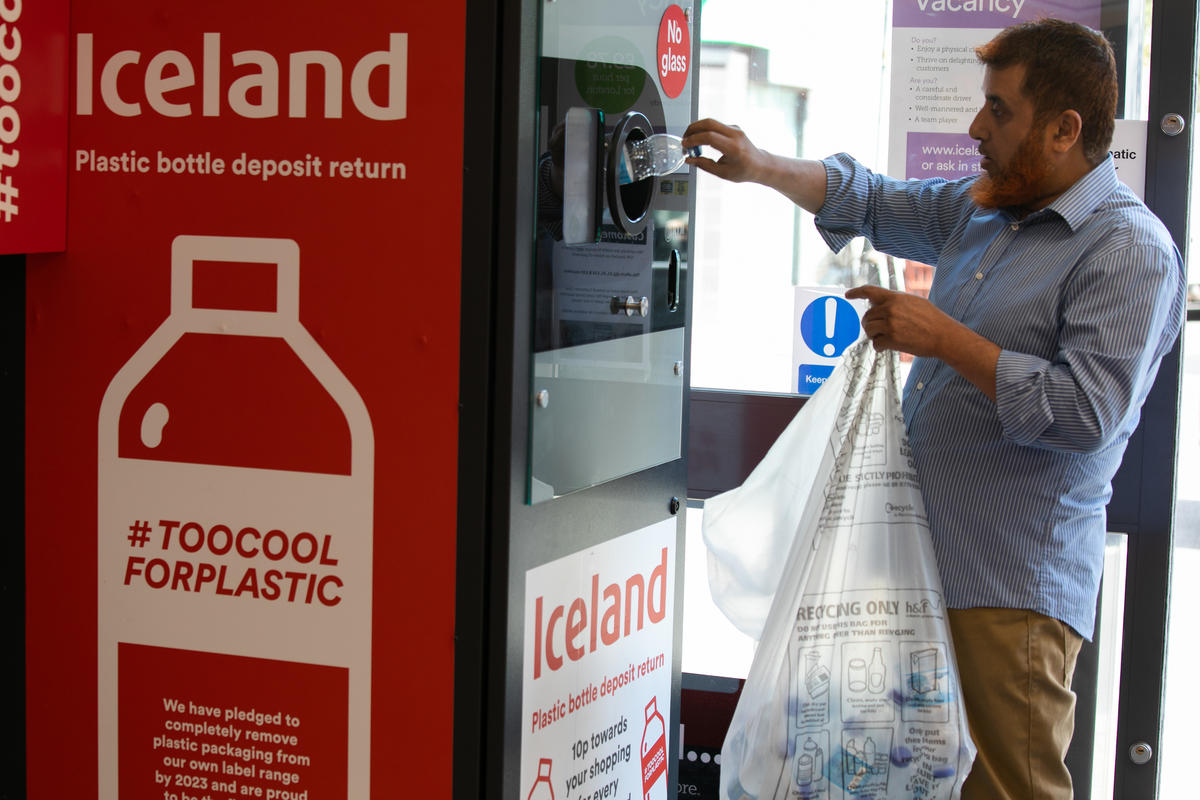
(936, 78)
(596, 686)
(242, 406)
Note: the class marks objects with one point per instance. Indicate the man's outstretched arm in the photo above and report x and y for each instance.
(800, 180)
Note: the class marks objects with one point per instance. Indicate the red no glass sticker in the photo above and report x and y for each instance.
(674, 51)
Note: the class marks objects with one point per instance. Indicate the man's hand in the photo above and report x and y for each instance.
(911, 324)
(899, 321)
(801, 181)
(740, 160)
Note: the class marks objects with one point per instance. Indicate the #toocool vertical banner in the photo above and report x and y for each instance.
(240, 488)
(33, 125)
(936, 78)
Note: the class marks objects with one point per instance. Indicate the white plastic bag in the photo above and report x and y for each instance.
(825, 551)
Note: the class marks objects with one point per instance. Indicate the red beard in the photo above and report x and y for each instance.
(1020, 184)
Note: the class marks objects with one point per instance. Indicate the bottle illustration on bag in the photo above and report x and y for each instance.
(868, 754)
(235, 501)
(654, 754)
(865, 766)
(876, 672)
(810, 765)
(542, 788)
(804, 771)
(814, 750)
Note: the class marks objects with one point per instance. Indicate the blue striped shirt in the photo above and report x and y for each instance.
(1084, 297)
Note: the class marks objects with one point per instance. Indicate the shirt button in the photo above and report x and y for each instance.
(920, 385)
(978, 276)
(1016, 226)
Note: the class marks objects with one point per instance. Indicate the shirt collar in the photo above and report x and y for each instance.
(1077, 203)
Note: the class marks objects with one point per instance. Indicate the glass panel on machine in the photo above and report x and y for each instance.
(612, 252)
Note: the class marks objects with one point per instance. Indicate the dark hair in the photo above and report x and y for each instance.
(1068, 66)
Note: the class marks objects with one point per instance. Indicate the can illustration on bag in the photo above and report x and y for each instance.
(235, 530)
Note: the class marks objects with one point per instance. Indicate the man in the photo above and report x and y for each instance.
(1055, 296)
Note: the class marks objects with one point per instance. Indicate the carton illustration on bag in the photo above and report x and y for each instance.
(235, 493)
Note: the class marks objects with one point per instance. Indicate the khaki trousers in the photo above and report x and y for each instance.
(1015, 667)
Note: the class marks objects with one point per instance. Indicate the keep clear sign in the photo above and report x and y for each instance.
(826, 323)
(597, 670)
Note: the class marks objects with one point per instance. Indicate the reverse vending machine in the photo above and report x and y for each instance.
(587, 585)
(611, 253)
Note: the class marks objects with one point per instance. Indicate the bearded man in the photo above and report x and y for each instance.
(1055, 295)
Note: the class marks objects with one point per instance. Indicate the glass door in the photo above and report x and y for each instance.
(876, 90)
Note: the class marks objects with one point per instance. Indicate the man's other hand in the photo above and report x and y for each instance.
(911, 324)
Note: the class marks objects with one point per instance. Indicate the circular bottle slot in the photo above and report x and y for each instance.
(629, 203)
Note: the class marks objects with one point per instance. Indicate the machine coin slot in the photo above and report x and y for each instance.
(673, 281)
(629, 203)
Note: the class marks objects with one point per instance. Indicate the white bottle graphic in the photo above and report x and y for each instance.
(654, 754)
(542, 788)
(314, 504)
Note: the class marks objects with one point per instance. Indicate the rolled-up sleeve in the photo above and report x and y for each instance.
(907, 219)
(1081, 399)
(845, 212)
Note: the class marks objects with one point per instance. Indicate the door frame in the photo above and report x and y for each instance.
(1145, 508)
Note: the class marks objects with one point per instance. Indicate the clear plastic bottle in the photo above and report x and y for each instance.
(659, 154)
(876, 672)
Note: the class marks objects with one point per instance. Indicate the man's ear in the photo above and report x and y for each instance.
(1065, 130)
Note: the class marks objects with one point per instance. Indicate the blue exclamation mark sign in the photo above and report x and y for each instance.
(828, 326)
(830, 321)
